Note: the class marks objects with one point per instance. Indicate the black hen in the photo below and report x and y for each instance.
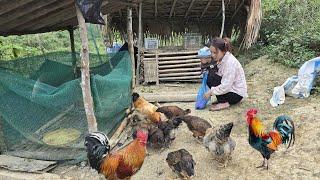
(181, 162)
(97, 146)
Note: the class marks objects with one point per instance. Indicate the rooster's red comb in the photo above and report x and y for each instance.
(252, 111)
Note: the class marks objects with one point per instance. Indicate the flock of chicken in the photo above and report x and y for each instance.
(158, 133)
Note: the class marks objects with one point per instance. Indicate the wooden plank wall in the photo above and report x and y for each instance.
(171, 66)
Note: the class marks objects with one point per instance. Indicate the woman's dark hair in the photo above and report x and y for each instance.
(222, 44)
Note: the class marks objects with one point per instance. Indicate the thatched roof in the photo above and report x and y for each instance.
(160, 17)
(35, 16)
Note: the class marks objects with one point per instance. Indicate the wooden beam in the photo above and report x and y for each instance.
(206, 8)
(179, 74)
(223, 18)
(179, 70)
(73, 51)
(9, 5)
(55, 17)
(189, 8)
(137, 11)
(43, 12)
(169, 97)
(172, 8)
(180, 78)
(155, 8)
(130, 42)
(23, 11)
(237, 10)
(216, 16)
(85, 74)
(140, 34)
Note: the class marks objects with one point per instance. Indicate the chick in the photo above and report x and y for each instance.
(181, 162)
(219, 144)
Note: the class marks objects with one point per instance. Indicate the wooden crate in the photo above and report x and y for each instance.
(192, 41)
(171, 66)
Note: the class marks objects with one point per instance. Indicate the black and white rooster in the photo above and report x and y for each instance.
(97, 146)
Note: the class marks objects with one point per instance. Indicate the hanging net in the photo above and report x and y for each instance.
(41, 104)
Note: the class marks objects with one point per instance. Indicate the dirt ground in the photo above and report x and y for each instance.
(302, 161)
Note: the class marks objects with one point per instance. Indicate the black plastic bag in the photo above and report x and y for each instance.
(90, 10)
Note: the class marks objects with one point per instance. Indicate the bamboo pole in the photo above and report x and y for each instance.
(73, 51)
(130, 43)
(139, 44)
(85, 75)
(223, 18)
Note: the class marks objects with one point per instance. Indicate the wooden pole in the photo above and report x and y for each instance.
(206, 8)
(155, 9)
(189, 8)
(157, 69)
(3, 147)
(130, 43)
(223, 19)
(85, 75)
(172, 8)
(139, 44)
(73, 51)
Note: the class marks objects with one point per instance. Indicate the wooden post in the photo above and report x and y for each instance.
(223, 19)
(130, 43)
(85, 74)
(157, 65)
(139, 44)
(3, 147)
(73, 51)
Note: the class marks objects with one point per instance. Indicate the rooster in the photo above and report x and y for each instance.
(267, 143)
(116, 165)
(145, 108)
(173, 111)
(181, 162)
(218, 142)
(196, 125)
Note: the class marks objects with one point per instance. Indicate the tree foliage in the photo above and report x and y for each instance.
(12, 47)
(291, 30)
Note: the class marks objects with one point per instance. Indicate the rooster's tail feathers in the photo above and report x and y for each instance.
(285, 126)
(97, 146)
(135, 96)
(224, 131)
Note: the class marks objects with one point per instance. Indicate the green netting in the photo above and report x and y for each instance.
(40, 95)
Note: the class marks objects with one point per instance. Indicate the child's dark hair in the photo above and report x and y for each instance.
(222, 44)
